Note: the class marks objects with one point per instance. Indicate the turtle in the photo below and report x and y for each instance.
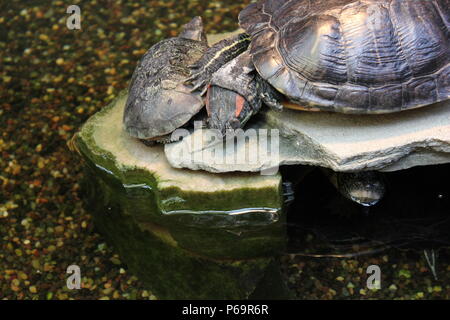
(363, 57)
(158, 102)
(366, 188)
(347, 56)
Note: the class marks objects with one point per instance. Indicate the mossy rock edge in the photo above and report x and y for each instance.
(175, 229)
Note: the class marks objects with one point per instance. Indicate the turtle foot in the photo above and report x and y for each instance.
(271, 102)
(198, 81)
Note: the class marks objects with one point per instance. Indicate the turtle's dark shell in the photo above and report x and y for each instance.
(368, 56)
(158, 101)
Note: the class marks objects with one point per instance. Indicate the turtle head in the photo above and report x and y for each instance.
(227, 110)
(365, 188)
(194, 30)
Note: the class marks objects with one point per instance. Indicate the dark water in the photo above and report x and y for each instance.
(414, 214)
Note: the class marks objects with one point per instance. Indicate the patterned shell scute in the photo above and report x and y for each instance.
(368, 56)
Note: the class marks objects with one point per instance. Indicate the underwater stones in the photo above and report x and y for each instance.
(187, 235)
(340, 142)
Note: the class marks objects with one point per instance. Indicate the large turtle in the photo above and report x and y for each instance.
(368, 56)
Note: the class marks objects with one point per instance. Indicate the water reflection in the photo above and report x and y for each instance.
(415, 214)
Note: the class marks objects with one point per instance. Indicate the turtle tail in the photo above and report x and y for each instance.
(214, 58)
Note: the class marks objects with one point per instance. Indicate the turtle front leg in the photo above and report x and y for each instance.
(214, 58)
(236, 93)
(227, 109)
(240, 76)
(268, 94)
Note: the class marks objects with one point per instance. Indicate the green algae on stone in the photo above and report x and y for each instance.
(231, 225)
(169, 271)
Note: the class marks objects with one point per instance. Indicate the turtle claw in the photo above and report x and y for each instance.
(149, 143)
(159, 140)
(199, 85)
(197, 81)
(271, 102)
(168, 139)
(276, 106)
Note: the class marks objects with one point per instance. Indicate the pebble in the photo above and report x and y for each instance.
(59, 229)
(393, 287)
(404, 273)
(437, 288)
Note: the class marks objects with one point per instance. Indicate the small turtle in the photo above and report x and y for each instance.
(366, 188)
(158, 101)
